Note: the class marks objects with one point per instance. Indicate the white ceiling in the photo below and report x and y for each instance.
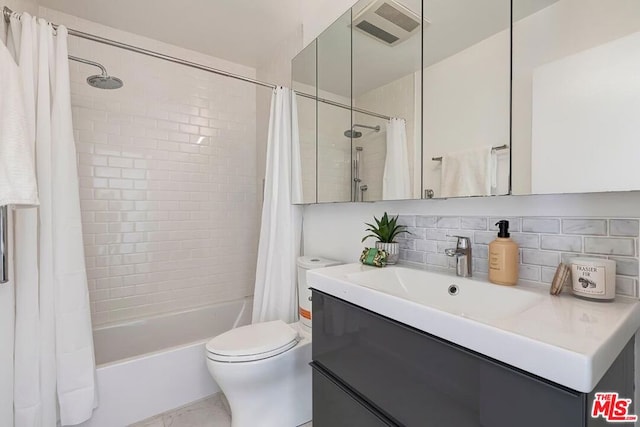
(242, 31)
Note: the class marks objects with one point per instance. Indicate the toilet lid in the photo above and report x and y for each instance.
(252, 342)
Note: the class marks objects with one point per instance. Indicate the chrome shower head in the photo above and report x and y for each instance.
(100, 81)
(352, 133)
(105, 81)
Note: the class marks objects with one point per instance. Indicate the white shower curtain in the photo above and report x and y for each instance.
(54, 365)
(281, 225)
(396, 182)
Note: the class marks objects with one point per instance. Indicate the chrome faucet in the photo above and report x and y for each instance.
(462, 254)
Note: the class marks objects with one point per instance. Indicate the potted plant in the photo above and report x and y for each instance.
(386, 230)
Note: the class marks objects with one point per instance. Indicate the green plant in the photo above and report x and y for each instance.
(386, 229)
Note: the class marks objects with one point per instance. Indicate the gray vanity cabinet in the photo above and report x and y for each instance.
(370, 370)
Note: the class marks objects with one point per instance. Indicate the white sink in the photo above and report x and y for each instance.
(456, 295)
(564, 339)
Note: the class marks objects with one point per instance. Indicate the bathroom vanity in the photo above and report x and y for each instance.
(398, 346)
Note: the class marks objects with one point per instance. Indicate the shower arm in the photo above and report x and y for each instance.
(88, 62)
(375, 128)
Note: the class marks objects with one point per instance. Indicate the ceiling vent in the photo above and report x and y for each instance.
(387, 21)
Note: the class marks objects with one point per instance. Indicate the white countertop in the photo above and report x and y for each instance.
(564, 339)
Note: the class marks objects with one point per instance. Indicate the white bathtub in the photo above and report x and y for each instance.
(153, 365)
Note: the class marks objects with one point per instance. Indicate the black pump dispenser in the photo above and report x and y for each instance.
(503, 225)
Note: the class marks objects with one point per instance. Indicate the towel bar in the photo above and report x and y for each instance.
(501, 147)
(4, 244)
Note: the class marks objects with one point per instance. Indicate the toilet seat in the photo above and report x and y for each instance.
(252, 342)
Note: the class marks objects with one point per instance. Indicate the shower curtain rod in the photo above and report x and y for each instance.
(7, 14)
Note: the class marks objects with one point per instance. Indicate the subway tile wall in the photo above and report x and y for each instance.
(167, 169)
(544, 243)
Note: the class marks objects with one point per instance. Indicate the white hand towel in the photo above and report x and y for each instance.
(17, 172)
(467, 173)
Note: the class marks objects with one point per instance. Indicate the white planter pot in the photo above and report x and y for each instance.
(392, 249)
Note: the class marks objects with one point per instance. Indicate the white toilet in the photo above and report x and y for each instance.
(263, 369)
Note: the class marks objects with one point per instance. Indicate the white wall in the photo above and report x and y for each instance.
(566, 27)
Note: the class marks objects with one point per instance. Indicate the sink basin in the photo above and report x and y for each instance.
(455, 295)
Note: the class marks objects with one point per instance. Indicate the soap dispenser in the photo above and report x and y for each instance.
(503, 257)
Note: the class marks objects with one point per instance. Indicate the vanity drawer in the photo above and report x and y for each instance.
(336, 406)
(421, 380)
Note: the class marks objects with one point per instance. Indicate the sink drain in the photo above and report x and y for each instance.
(453, 290)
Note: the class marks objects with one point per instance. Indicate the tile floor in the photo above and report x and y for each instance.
(210, 412)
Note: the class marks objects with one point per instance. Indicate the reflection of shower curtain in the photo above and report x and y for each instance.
(396, 182)
(280, 230)
(54, 366)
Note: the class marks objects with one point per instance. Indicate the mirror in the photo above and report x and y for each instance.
(386, 148)
(303, 83)
(368, 96)
(466, 98)
(576, 96)
(334, 111)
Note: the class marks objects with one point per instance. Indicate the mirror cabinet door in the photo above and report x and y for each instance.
(576, 96)
(387, 58)
(334, 112)
(304, 112)
(466, 98)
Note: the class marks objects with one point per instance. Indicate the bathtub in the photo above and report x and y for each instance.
(150, 366)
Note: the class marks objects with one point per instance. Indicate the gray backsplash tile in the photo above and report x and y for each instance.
(595, 227)
(547, 274)
(624, 227)
(544, 242)
(448, 222)
(480, 251)
(408, 220)
(427, 245)
(413, 256)
(436, 234)
(626, 286)
(525, 240)
(550, 259)
(561, 243)
(529, 272)
(426, 221)
(541, 225)
(439, 260)
(609, 246)
(473, 223)
(626, 266)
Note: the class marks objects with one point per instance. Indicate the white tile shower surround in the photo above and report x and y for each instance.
(167, 169)
(210, 412)
(544, 243)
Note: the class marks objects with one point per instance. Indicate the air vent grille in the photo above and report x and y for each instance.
(377, 32)
(395, 16)
(388, 21)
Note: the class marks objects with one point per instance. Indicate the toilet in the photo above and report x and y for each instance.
(263, 369)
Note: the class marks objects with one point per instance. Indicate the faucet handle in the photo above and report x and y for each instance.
(462, 243)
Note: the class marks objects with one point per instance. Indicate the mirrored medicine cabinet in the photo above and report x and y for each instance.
(410, 99)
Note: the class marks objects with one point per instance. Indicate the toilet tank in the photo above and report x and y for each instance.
(304, 293)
